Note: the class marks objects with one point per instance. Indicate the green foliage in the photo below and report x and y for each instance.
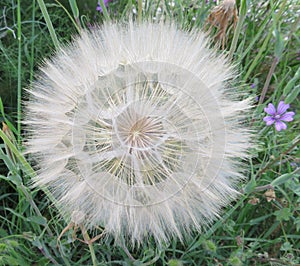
(253, 231)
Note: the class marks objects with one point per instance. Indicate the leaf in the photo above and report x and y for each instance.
(279, 44)
(174, 262)
(250, 186)
(286, 246)
(291, 83)
(38, 220)
(297, 223)
(74, 8)
(284, 178)
(283, 214)
(16, 179)
(294, 185)
(293, 95)
(235, 261)
(259, 219)
(210, 246)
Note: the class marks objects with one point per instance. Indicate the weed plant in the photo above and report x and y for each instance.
(261, 228)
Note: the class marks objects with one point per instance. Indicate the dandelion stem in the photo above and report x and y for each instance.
(92, 251)
(140, 10)
(87, 239)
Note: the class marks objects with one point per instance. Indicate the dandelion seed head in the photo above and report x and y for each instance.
(134, 129)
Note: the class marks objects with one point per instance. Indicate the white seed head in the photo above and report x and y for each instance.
(135, 128)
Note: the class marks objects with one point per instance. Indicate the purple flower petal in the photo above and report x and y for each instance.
(99, 8)
(287, 116)
(269, 120)
(279, 125)
(270, 109)
(282, 107)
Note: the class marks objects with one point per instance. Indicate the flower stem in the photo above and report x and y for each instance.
(19, 88)
(140, 10)
(92, 251)
(87, 239)
(268, 79)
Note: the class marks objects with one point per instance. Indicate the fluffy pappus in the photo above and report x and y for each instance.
(136, 127)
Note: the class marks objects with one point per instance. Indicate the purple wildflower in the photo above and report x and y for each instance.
(293, 165)
(279, 115)
(99, 8)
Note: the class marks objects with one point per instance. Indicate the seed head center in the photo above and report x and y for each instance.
(138, 133)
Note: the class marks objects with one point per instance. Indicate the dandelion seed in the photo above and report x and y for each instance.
(279, 115)
(134, 126)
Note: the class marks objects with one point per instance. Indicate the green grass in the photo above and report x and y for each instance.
(265, 46)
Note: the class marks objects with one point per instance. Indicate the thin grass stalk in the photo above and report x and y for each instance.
(242, 15)
(18, 155)
(7, 58)
(257, 35)
(77, 26)
(105, 13)
(75, 11)
(32, 43)
(267, 83)
(19, 86)
(29, 171)
(90, 244)
(34, 206)
(180, 12)
(26, 166)
(140, 10)
(269, 164)
(265, 43)
(218, 224)
(49, 23)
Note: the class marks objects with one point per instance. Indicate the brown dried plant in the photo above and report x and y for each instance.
(221, 17)
(76, 222)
